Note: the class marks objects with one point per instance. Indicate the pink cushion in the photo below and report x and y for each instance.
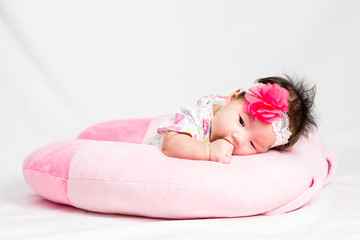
(137, 179)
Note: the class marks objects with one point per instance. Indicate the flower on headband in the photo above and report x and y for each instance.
(266, 102)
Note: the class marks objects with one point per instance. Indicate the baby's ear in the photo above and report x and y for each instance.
(234, 95)
(240, 90)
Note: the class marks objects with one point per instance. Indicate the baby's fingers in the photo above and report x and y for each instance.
(226, 160)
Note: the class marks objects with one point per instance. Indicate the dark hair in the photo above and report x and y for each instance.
(301, 101)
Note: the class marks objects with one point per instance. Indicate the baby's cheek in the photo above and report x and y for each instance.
(219, 131)
(241, 151)
(237, 151)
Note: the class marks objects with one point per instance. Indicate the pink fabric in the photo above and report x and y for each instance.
(137, 179)
(158, 186)
(47, 170)
(127, 130)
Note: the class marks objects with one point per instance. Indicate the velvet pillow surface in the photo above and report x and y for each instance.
(107, 170)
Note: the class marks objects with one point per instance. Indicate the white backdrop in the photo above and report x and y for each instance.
(65, 65)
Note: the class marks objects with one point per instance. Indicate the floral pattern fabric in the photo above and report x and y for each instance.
(194, 121)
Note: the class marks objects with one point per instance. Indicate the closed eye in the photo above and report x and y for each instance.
(242, 122)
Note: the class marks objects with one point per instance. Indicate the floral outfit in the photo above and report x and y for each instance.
(194, 121)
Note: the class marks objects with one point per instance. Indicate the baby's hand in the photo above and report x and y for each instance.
(221, 151)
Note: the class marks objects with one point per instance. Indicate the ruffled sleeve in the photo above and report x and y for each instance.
(184, 121)
(194, 121)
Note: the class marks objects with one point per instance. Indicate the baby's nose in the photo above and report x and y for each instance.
(238, 139)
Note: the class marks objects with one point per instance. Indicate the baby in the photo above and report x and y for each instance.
(271, 115)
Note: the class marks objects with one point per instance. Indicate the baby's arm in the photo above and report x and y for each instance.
(182, 145)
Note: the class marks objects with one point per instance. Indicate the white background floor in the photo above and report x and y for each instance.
(65, 65)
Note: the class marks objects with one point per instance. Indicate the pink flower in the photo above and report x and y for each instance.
(173, 128)
(266, 102)
(178, 117)
(206, 126)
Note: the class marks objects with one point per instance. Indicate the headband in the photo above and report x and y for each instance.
(269, 104)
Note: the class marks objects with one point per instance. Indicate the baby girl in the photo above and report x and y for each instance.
(271, 115)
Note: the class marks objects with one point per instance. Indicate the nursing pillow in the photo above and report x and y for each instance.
(108, 170)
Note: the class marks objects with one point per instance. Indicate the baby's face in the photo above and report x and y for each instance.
(237, 127)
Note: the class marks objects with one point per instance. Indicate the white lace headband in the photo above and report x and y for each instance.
(281, 128)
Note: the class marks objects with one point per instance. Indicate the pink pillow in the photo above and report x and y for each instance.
(136, 179)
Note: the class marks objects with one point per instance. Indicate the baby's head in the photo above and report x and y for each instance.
(301, 119)
(273, 114)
